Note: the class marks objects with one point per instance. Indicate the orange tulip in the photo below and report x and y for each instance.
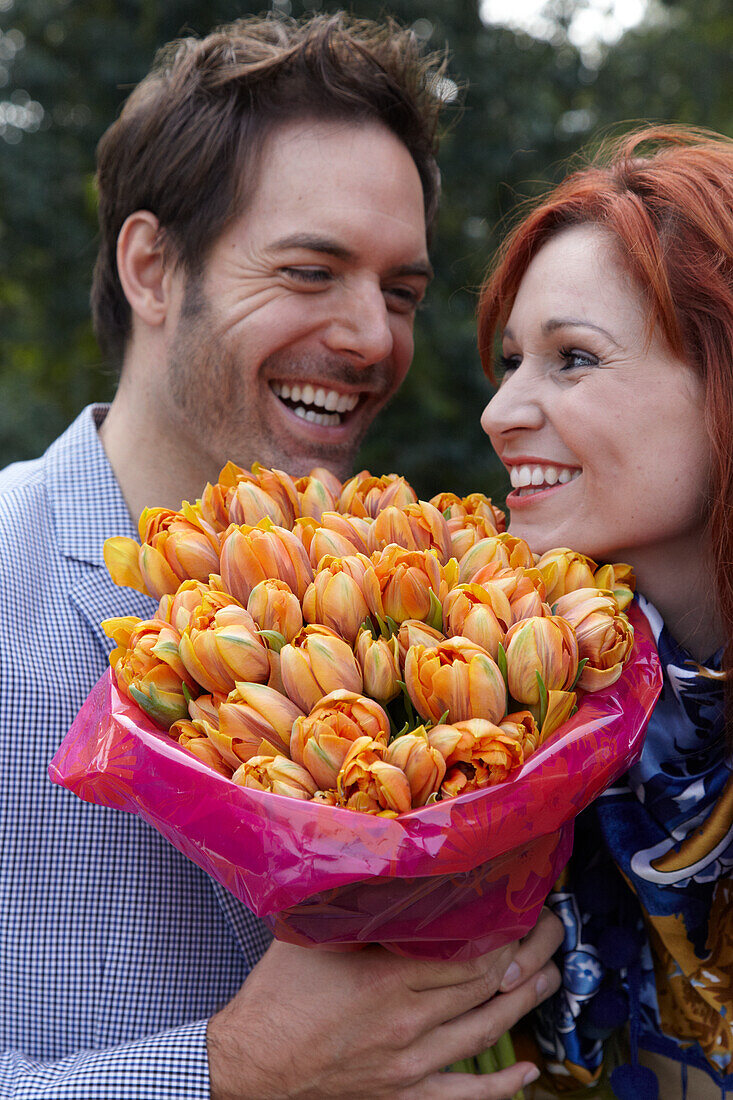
(523, 587)
(477, 753)
(413, 632)
(605, 636)
(379, 660)
(544, 645)
(276, 774)
(618, 579)
(335, 597)
(458, 677)
(564, 570)
(315, 497)
(253, 554)
(417, 526)
(274, 606)
(508, 551)
(367, 783)
(423, 765)
(521, 725)
(221, 645)
(365, 495)
(329, 479)
(321, 740)
(178, 608)
(252, 714)
(317, 662)
(148, 668)
(264, 493)
(560, 706)
(191, 738)
(466, 531)
(333, 536)
(479, 612)
(400, 582)
(476, 504)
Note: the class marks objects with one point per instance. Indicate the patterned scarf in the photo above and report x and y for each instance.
(647, 899)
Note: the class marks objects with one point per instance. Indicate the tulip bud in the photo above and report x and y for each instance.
(449, 505)
(458, 677)
(546, 646)
(523, 587)
(334, 536)
(564, 570)
(335, 597)
(618, 579)
(417, 526)
(250, 715)
(605, 636)
(364, 495)
(314, 497)
(413, 632)
(264, 493)
(329, 479)
(479, 612)
(221, 645)
(176, 546)
(276, 774)
(317, 662)
(476, 504)
(423, 765)
(274, 607)
(507, 551)
(466, 531)
(522, 726)
(407, 584)
(178, 608)
(380, 665)
(253, 554)
(321, 740)
(367, 783)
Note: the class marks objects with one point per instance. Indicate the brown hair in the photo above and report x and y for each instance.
(666, 195)
(188, 141)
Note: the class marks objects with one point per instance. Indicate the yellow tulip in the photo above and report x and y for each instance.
(605, 636)
(565, 570)
(277, 774)
(253, 554)
(544, 645)
(368, 784)
(320, 741)
(317, 662)
(423, 765)
(379, 660)
(274, 606)
(458, 677)
(619, 579)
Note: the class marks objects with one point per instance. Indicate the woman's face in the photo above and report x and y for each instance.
(601, 429)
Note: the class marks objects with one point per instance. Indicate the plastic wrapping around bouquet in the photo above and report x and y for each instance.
(450, 880)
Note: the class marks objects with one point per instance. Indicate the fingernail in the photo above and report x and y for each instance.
(542, 985)
(531, 1076)
(511, 977)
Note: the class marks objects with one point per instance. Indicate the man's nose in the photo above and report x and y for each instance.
(515, 406)
(362, 329)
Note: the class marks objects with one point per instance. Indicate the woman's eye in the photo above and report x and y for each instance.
(574, 358)
(506, 363)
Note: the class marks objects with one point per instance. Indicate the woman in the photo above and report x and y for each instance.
(614, 418)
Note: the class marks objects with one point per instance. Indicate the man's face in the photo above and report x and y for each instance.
(299, 329)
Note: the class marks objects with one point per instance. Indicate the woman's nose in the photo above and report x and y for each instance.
(515, 406)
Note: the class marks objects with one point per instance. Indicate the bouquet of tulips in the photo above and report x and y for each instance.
(373, 718)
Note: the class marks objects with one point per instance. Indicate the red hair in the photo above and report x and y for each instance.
(665, 193)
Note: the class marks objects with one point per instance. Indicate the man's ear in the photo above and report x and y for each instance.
(144, 277)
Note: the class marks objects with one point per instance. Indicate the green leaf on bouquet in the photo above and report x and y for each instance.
(274, 639)
(543, 700)
(435, 618)
(581, 666)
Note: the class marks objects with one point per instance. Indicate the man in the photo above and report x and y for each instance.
(264, 198)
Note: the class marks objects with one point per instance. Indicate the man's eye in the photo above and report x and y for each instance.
(307, 274)
(404, 298)
(574, 358)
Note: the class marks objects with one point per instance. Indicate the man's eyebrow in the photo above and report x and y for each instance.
(330, 247)
(570, 322)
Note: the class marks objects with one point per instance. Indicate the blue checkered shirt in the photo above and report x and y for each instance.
(115, 949)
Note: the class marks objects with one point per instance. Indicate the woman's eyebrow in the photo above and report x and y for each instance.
(570, 322)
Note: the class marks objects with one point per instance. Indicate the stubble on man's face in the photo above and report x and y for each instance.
(217, 395)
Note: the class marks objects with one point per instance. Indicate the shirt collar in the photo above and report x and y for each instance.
(86, 501)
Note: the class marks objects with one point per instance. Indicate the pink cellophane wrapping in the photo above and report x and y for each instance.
(451, 880)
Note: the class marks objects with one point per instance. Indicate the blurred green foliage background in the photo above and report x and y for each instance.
(527, 105)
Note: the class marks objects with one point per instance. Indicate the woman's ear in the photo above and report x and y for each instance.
(141, 268)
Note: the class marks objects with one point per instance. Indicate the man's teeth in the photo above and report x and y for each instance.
(316, 404)
(537, 477)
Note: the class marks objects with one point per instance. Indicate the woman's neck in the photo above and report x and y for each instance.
(682, 587)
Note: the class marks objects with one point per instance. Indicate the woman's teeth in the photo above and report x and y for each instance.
(531, 479)
(315, 404)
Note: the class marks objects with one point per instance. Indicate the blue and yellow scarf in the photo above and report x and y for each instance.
(647, 899)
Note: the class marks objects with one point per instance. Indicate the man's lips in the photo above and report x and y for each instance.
(316, 403)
